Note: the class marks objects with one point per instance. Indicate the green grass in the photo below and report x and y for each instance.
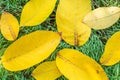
(93, 48)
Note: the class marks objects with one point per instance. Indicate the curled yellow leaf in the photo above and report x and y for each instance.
(36, 11)
(46, 71)
(77, 66)
(69, 17)
(102, 17)
(30, 50)
(9, 26)
(111, 54)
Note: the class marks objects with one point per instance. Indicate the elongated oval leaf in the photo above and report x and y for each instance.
(46, 71)
(77, 66)
(30, 50)
(102, 17)
(9, 26)
(36, 11)
(69, 16)
(111, 54)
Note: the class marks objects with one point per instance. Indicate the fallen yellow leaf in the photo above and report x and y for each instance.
(36, 11)
(9, 26)
(46, 71)
(77, 66)
(111, 54)
(69, 16)
(30, 50)
(102, 17)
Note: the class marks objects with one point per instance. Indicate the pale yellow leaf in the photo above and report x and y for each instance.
(9, 26)
(102, 17)
(30, 50)
(111, 54)
(69, 16)
(77, 66)
(36, 11)
(46, 71)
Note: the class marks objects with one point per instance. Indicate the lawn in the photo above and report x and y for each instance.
(93, 48)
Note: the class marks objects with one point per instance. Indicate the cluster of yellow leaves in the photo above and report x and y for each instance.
(74, 20)
(33, 13)
(70, 63)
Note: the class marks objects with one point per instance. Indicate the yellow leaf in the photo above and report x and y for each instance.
(30, 50)
(9, 26)
(36, 11)
(69, 16)
(46, 71)
(0, 26)
(77, 66)
(111, 54)
(102, 17)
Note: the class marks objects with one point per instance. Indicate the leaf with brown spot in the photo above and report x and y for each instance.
(69, 16)
(9, 26)
(77, 66)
